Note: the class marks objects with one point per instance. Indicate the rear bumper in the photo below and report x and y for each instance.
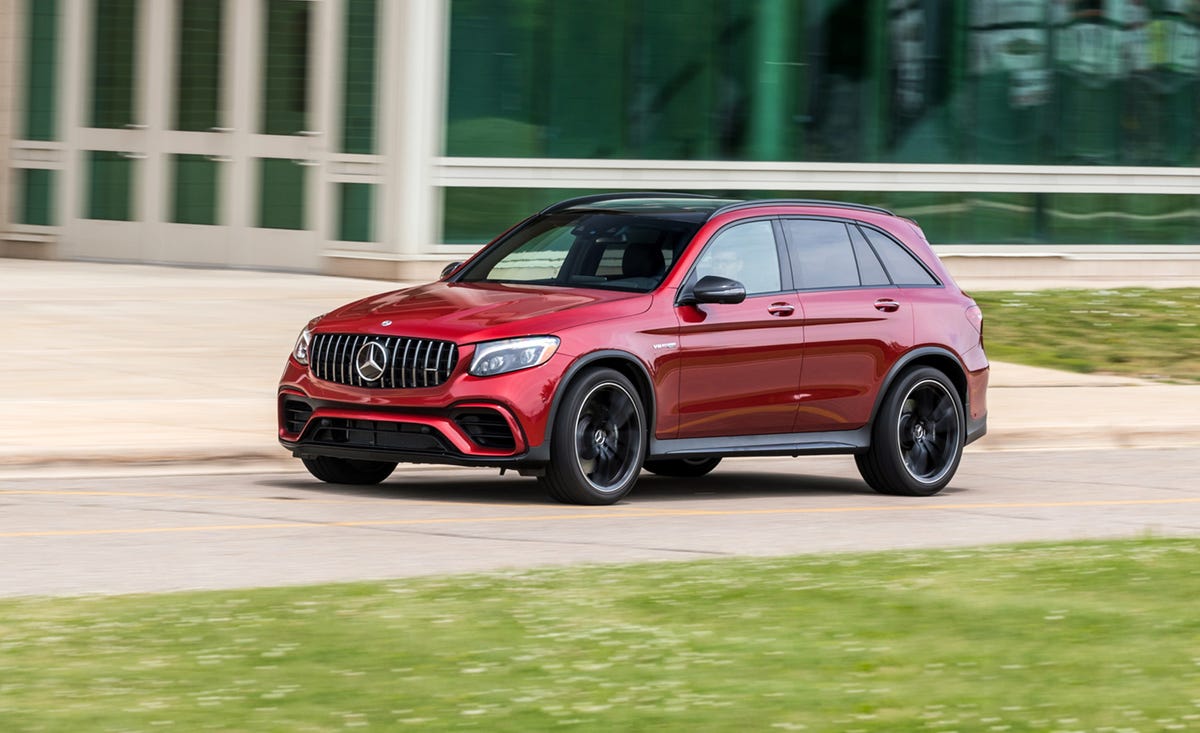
(976, 428)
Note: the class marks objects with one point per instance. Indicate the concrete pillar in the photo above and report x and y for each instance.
(12, 23)
(412, 77)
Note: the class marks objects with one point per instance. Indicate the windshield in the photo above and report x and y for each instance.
(588, 249)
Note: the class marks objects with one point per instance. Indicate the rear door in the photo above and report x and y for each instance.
(857, 322)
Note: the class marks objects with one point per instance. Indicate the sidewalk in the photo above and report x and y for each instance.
(105, 364)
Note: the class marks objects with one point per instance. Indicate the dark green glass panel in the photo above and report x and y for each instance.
(281, 194)
(198, 87)
(477, 215)
(357, 204)
(1041, 82)
(285, 98)
(358, 113)
(113, 69)
(110, 186)
(41, 70)
(195, 192)
(36, 196)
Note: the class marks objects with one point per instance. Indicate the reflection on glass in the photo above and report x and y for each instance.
(1111, 82)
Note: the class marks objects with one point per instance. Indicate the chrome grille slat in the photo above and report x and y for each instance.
(412, 362)
(403, 380)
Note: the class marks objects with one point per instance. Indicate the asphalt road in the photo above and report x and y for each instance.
(160, 532)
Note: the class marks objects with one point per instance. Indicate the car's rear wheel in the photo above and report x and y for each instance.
(918, 437)
(598, 441)
(682, 467)
(348, 470)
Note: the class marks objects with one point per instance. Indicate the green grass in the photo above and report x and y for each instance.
(1076, 637)
(1138, 332)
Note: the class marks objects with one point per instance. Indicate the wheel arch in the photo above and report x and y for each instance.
(621, 361)
(931, 356)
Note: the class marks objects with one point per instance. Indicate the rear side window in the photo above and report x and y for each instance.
(821, 253)
(901, 264)
(872, 272)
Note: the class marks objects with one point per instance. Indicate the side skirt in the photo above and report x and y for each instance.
(783, 444)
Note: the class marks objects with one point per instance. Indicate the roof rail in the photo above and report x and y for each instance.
(803, 202)
(599, 197)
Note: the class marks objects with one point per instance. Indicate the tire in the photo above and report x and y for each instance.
(598, 440)
(918, 437)
(682, 467)
(348, 470)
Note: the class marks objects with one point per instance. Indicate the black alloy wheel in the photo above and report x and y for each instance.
(918, 437)
(598, 441)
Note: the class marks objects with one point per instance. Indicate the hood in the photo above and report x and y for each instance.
(470, 312)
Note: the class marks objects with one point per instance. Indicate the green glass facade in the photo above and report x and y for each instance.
(109, 186)
(114, 49)
(281, 193)
(876, 83)
(356, 207)
(1029, 82)
(358, 104)
(194, 194)
(914, 81)
(286, 48)
(35, 187)
(41, 70)
(198, 73)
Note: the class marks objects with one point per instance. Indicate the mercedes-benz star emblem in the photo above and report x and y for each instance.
(371, 360)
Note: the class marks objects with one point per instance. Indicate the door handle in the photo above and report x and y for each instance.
(781, 309)
(887, 305)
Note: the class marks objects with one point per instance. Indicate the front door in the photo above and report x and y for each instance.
(740, 364)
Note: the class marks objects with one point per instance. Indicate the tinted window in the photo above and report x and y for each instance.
(746, 253)
(821, 254)
(900, 263)
(869, 268)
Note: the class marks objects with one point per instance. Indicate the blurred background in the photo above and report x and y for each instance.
(384, 138)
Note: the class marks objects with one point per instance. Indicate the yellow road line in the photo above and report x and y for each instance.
(222, 497)
(618, 513)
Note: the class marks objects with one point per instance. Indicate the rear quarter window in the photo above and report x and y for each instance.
(902, 265)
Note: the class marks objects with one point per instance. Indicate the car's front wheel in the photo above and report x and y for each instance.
(598, 441)
(348, 471)
(918, 437)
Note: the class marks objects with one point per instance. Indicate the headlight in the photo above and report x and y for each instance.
(300, 350)
(500, 357)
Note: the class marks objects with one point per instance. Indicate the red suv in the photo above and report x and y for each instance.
(613, 333)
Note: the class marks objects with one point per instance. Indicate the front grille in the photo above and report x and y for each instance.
(487, 429)
(377, 434)
(403, 362)
(295, 415)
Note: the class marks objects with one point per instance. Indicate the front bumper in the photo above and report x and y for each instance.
(467, 433)
(469, 421)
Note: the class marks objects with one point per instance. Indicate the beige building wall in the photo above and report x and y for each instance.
(408, 104)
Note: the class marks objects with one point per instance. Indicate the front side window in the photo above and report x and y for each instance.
(745, 253)
(609, 251)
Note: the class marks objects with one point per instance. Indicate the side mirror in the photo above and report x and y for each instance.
(715, 289)
(449, 269)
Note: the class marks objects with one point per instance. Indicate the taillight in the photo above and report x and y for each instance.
(975, 317)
